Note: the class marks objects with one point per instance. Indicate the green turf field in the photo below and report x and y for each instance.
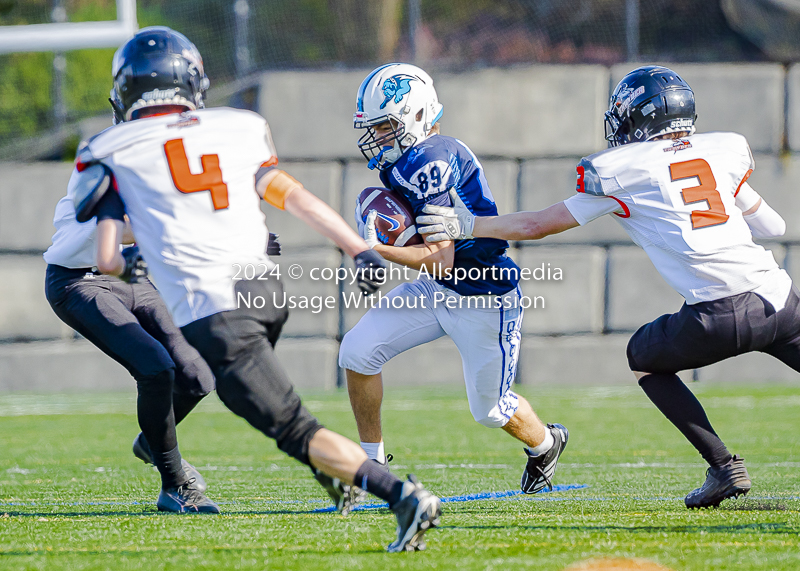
(73, 497)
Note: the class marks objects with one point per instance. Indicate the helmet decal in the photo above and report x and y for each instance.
(626, 97)
(365, 83)
(396, 87)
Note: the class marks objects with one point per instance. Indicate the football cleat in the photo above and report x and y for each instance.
(141, 449)
(344, 496)
(728, 481)
(185, 499)
(540, 469)
(417, 511)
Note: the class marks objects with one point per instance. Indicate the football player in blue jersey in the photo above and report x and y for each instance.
(468, 291)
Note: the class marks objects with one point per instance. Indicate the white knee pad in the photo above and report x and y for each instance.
(355, 355)
(492, 413)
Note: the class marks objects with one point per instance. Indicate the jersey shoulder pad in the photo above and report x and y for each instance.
(590, 182)
(91, 184)
(250, 122)
(435, 148)
(741, 147)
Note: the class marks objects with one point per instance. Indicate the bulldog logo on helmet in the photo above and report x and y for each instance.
(396, 86)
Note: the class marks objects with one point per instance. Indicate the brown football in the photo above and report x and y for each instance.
(395, 221)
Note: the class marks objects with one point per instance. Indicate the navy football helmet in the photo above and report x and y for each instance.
(158, 66)
(648, 102)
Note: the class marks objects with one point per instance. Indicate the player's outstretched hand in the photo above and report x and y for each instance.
(135, 266)
(370, 271)
(447, 223)
(274, 245)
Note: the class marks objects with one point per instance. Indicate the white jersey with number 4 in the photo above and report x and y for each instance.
(680, 201)
(188, 184)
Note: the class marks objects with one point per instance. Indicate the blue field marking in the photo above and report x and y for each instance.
(469, 497)
(539, 496)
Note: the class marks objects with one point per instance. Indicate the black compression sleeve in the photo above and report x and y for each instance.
(110, 206)
(261, 173)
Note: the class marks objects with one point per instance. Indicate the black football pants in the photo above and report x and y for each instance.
(711, 331)
(239, 347)
(702, 334)
(131, 324)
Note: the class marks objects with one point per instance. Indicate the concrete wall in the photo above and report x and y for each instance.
(529, 126)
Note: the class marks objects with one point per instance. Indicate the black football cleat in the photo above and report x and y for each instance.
(185, 499)
(417, 511)
(540, 469)
(728, 481)
(344, 496)
(141, 449)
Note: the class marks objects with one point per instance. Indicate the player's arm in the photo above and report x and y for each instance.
(110, 212)
(458, 223)
(286, 193)
(433, 257)
(109, 237)
(128, 264)
(283, 191)
(762, 219)
(525, 225)
(436, 257)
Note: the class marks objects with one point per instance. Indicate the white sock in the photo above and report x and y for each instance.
(375, 451)
(546, 445)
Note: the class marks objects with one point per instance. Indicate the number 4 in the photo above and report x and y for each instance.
(706, 191)
(210, 179)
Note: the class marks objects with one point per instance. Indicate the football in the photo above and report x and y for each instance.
(395, 221)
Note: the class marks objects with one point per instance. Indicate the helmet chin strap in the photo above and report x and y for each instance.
(375, 161)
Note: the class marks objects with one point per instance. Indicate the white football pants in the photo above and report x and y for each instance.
(487, 336)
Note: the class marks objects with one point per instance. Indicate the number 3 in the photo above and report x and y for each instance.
(706, 191)
(210, 179)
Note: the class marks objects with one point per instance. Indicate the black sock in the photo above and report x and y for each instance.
(681, 407)
(169, 466)
(377, 481)
(157, 421)
(182, 405)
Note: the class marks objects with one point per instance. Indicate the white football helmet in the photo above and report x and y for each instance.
(400, 92)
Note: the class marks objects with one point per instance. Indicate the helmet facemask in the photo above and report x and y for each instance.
(383, 149)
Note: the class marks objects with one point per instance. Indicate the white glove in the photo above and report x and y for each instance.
(368, 231)
(454, 223)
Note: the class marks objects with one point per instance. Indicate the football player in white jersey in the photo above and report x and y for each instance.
(191, 180)
(130, 323)
(683, 198)
(398, 108)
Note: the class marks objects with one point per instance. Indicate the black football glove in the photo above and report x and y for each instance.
(370, 271)
(274, 245)
(135, 266)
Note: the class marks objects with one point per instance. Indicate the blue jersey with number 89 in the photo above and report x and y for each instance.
(424, 174)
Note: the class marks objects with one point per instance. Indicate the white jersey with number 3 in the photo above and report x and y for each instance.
(677, 199)
(188, 184)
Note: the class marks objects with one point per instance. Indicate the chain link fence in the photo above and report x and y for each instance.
(41, 91)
